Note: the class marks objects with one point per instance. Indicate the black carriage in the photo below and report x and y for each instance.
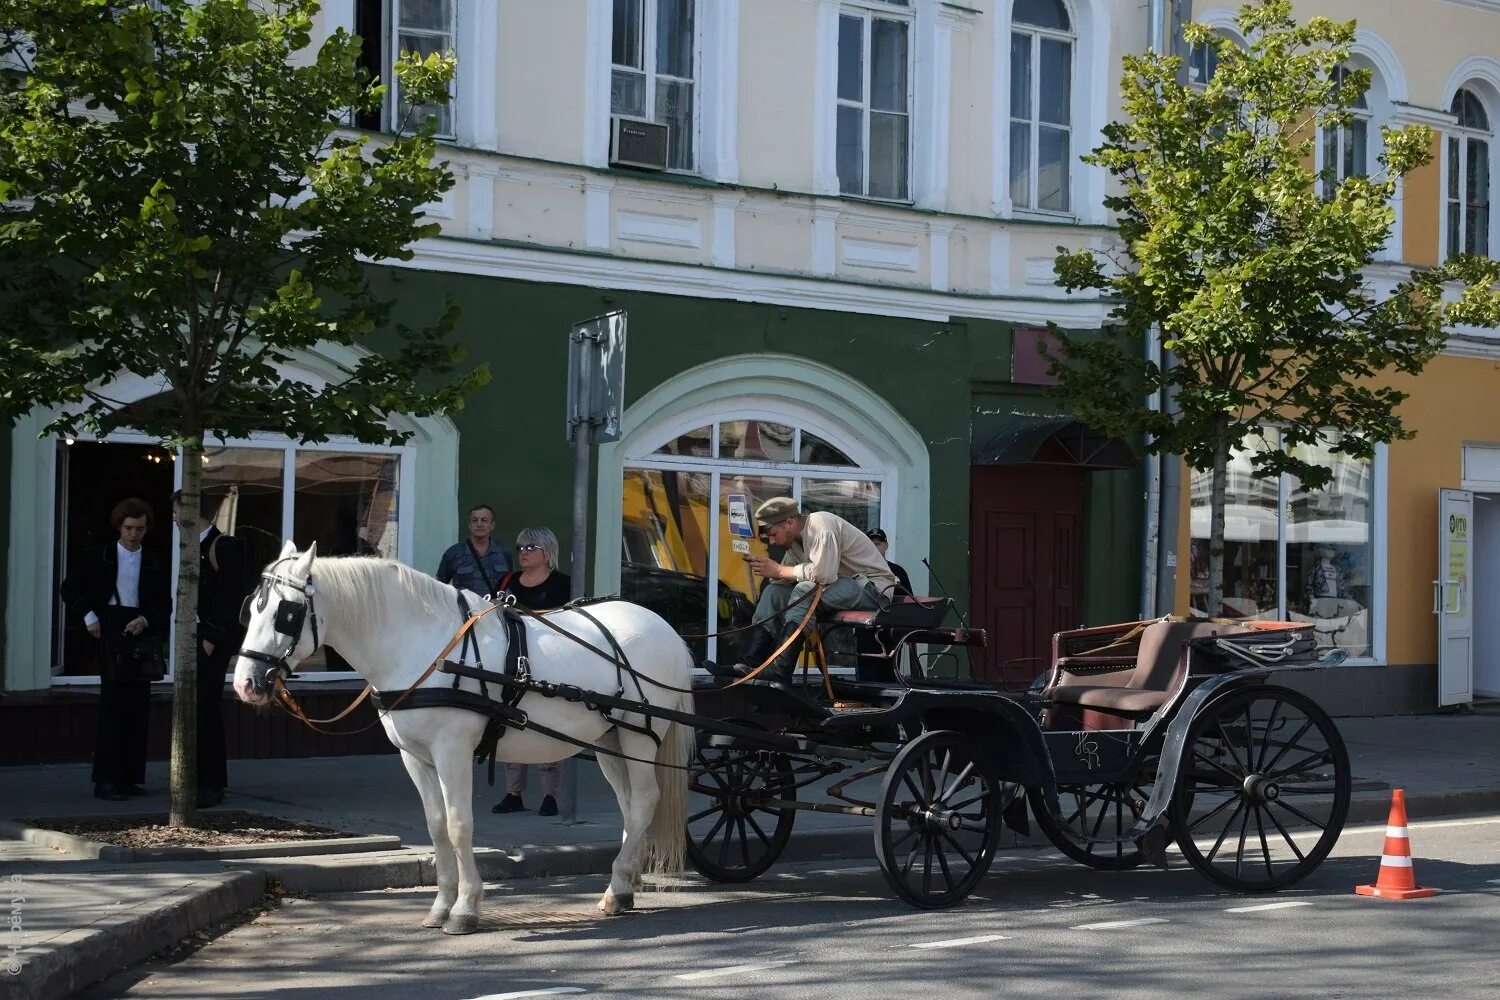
(1138, 735)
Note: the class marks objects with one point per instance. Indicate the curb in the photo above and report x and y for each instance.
(84, 956)
(83, 847)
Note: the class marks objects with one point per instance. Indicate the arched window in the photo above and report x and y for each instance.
(1346, 150)
(1469, 176)
(1202, 63)
(1041, 98)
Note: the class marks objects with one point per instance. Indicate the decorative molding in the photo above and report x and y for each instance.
(1488, 6)
(477, 40)
(1483, 69)
(957, 17)
(825, 216)
(593, 270)
(598, 30)
(725, 208)
(440, 209)
(933, 102)
(1039, 271)
(667, 230)
(1413, 114)
(880, 256)
(719, 69)
(825, 84)
(538, 178)
(1000, 253)
(596, 195)
(939, 248)
(1378, 52)
(481, 196)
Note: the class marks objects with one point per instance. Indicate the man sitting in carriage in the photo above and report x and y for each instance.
(821, 548)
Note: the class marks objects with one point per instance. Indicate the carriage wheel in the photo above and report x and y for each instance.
(1263, 791)
(1091, 815)
(732, 834)
(938, 820)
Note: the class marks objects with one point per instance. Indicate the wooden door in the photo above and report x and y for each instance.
(1026, 565)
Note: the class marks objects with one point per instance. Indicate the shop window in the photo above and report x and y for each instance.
(1292, 553)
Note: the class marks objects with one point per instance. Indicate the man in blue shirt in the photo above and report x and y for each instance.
(480, 563)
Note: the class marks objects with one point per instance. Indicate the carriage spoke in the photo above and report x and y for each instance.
(744, 842)
(968, 858)
(1264, 847)
(1306, 725)
(943, 864)
(1250, 754)
(1225, 832)
(1239, 855)
(728, 837)
(960, 806)
(940, 783)
(705, 813)
(1229, 746)
(1286, 836)
(1233, 778)
(1305, 764)
(1212, 813)
(917, 798)
(750, 818)
(1300, 814)
(911, 831)
(958, 782)
(927, 867)
(1265, 745)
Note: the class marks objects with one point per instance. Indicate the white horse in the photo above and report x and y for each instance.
(390, 622)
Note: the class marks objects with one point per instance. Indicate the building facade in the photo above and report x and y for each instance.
(837, 268)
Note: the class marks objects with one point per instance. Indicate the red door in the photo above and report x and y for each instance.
(1026, 565)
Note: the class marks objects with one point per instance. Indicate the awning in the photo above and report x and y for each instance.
(1056, 441)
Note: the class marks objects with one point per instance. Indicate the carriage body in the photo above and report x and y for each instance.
(1138, 734)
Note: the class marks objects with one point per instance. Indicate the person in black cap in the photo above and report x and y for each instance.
(821, 548)
(903, 582)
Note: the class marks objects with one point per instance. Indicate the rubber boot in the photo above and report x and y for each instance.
(785, 665)
(755, 645)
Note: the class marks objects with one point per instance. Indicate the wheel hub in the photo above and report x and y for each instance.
(1260, 789)
(936, 818)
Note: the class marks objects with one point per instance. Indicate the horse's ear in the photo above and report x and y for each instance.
(288, 548)
(303, 566)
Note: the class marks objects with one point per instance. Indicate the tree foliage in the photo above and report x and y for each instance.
(182, 202)
(1257, 282)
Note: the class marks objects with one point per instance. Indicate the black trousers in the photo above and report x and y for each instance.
(213, 767)
(124, 708)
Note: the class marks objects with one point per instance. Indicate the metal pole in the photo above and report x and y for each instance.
(578, 564)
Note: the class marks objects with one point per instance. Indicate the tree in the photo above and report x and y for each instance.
(1254, 278)
(180, 199)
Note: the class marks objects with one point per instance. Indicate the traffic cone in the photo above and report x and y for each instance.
(1397, 879)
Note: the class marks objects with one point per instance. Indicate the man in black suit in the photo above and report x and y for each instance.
(220, 594)
(123, 596)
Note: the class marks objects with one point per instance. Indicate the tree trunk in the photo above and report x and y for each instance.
(184, 779)
(1216, 523)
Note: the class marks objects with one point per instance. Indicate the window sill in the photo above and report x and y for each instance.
(1039, 215)
(867, 199)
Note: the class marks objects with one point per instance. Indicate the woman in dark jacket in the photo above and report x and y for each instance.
(123, 598)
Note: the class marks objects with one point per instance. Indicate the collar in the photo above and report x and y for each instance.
(203, 535)
(123, 553)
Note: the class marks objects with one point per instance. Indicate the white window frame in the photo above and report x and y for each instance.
(866, 468)
(1343, 139)
(405, 522)
(869, 11)
(393, 33)
(648, 70)
(1463, 136)
(1033, 165)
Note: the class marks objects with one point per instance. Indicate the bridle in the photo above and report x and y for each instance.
(291, 618)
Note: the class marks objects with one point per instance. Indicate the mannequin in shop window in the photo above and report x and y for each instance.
(1328, 578)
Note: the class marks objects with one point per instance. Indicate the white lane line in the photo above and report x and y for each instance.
(961, 942)
(553, 991)
(733, 970)
(1493, 881)
(1114, 925)
(1420, 825)
(1260, 907)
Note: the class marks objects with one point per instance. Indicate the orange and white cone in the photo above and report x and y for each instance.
(1397, 879)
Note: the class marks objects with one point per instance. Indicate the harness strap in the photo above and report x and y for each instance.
(787, 642)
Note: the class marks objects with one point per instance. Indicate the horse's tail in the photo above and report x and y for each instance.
(666, 836)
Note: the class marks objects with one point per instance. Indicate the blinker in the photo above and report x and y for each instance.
(290, 616)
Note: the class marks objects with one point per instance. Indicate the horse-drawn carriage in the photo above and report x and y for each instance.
(1141, 732)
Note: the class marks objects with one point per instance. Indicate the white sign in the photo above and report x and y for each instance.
(739, 518)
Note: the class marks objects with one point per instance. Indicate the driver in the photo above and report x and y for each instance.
(821, 548)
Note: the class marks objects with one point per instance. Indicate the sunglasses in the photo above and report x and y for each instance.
(528, 548)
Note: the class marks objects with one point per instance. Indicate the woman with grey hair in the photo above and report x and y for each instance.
(537, 586)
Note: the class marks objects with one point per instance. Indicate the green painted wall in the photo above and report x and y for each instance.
(944, 378)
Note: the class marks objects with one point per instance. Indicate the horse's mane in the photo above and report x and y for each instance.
(371, 591)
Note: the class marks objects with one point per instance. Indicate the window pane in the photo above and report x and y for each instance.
(664, 558)
(1042, 13)
(855, 500)
(1356, 148)
(1020, 164)
(1454, 168)
(851, 59)
(851, 150)
(1020, 76)
(888, 55)
(1330, 161)
(1203, 62)
(242, 488)
(739, 589)
(425, 45)
(758, 440)
(627, 93)
(1455, 229)
(1251, 573)
(674, 38)
(674, 108)
(1056, 87)
(1052, 169)
(888, 144)
(1328, 551)
(431, 15)
(627, 49)
(698, 444)
(816, 451)
(347, 503)
(1477, 182)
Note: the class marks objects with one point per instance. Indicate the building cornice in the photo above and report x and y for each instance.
(1490, 6)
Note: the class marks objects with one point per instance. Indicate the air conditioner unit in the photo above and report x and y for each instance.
(634, 142)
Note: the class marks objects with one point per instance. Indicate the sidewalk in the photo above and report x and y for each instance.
(82, 918)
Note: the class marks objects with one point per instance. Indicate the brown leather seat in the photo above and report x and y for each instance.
(1159, 664)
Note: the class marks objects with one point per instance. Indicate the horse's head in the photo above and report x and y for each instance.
(281, 621)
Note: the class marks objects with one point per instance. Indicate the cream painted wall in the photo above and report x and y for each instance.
(778, 60)
(541, 78)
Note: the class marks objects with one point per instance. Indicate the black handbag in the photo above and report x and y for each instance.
(134, 657)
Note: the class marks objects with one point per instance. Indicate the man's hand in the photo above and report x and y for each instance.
(93, 628)
(135, 626)
(771, 569)
(208, 648)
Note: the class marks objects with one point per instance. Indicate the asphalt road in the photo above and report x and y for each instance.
(1040, 926)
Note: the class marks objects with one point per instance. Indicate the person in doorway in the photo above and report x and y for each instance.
(538, 587)
(903, 582)
(478, 563)
(221, 591)
(123, 597)
(821, 549)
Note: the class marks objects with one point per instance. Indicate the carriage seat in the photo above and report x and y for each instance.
(904, 611)
(1132, 685)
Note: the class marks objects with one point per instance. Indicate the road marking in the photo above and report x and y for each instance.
(733, 970)
(1285, 905)
(1493, 881)
(961, 942)
(553, 991)
(1113, 925)
(1421, 825)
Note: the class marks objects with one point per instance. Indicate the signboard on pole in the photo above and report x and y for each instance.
(740, 530)
(596, 377)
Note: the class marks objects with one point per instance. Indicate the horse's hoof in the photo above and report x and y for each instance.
(616, 903)
(435, 919)
(462, 923)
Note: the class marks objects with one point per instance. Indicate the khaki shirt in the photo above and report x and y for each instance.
(831, 547)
